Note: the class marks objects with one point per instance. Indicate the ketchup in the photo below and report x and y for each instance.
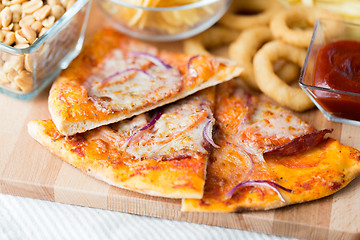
(338, 68)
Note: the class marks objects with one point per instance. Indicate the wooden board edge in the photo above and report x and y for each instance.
(155, 208)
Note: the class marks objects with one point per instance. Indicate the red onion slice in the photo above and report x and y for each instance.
(157, 61)
(247, 155)
(243, 151)
(123, 72)
(299, 144)
(192, 71)
(249, 110)
(150, 124)
(208, 135)
(265, 183)
(252, 163)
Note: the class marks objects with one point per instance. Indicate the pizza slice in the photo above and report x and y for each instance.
(161, 153)
(268, 158)
(117, 77)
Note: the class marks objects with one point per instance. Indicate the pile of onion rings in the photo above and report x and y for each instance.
(270, 45)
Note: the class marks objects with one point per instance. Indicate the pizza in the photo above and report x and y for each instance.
(142, 119)
(117, 77)
(262, 156)
(266, 157)
(160, 153)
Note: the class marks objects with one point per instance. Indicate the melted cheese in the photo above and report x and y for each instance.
(129, 127)
(179, 130)
(273, 126)
(127, 82)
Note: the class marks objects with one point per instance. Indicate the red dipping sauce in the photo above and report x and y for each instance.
(338, 68)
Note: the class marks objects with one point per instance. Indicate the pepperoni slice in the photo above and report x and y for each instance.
(299, 144)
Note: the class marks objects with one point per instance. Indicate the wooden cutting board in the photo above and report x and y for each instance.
(27, 169)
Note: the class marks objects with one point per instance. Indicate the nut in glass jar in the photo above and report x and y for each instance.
(41, 46)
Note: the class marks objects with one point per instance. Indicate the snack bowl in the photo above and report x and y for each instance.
(163, 23)
(336, 102)
(24, 72)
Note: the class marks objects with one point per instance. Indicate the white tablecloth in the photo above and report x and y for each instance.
(24, 218)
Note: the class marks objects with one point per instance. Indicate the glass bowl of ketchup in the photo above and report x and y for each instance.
(331, 72)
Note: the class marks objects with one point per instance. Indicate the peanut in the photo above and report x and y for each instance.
(11, 77)
(24, 81)
(48, 22)
(57, 11)
(8, 28)
(53, 2)
(16, 17)
(12, 2)
(6, 17)
(7, 67)
(32, 6)
(16, 8)
(15, 62)
(43, 31)
(28, 63)
(16, 27)
(29, 34)
(3, 79)
(9, 38)
(37, 26)
(42, 13)
(24, 45)
(19, 38)
(27, 21)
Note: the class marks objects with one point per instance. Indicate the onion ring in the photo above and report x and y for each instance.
(244, 48)
(281, 28)
(293, 98)
(214, 37)
(264, 11)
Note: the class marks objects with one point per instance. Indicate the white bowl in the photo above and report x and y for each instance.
(163, 24)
